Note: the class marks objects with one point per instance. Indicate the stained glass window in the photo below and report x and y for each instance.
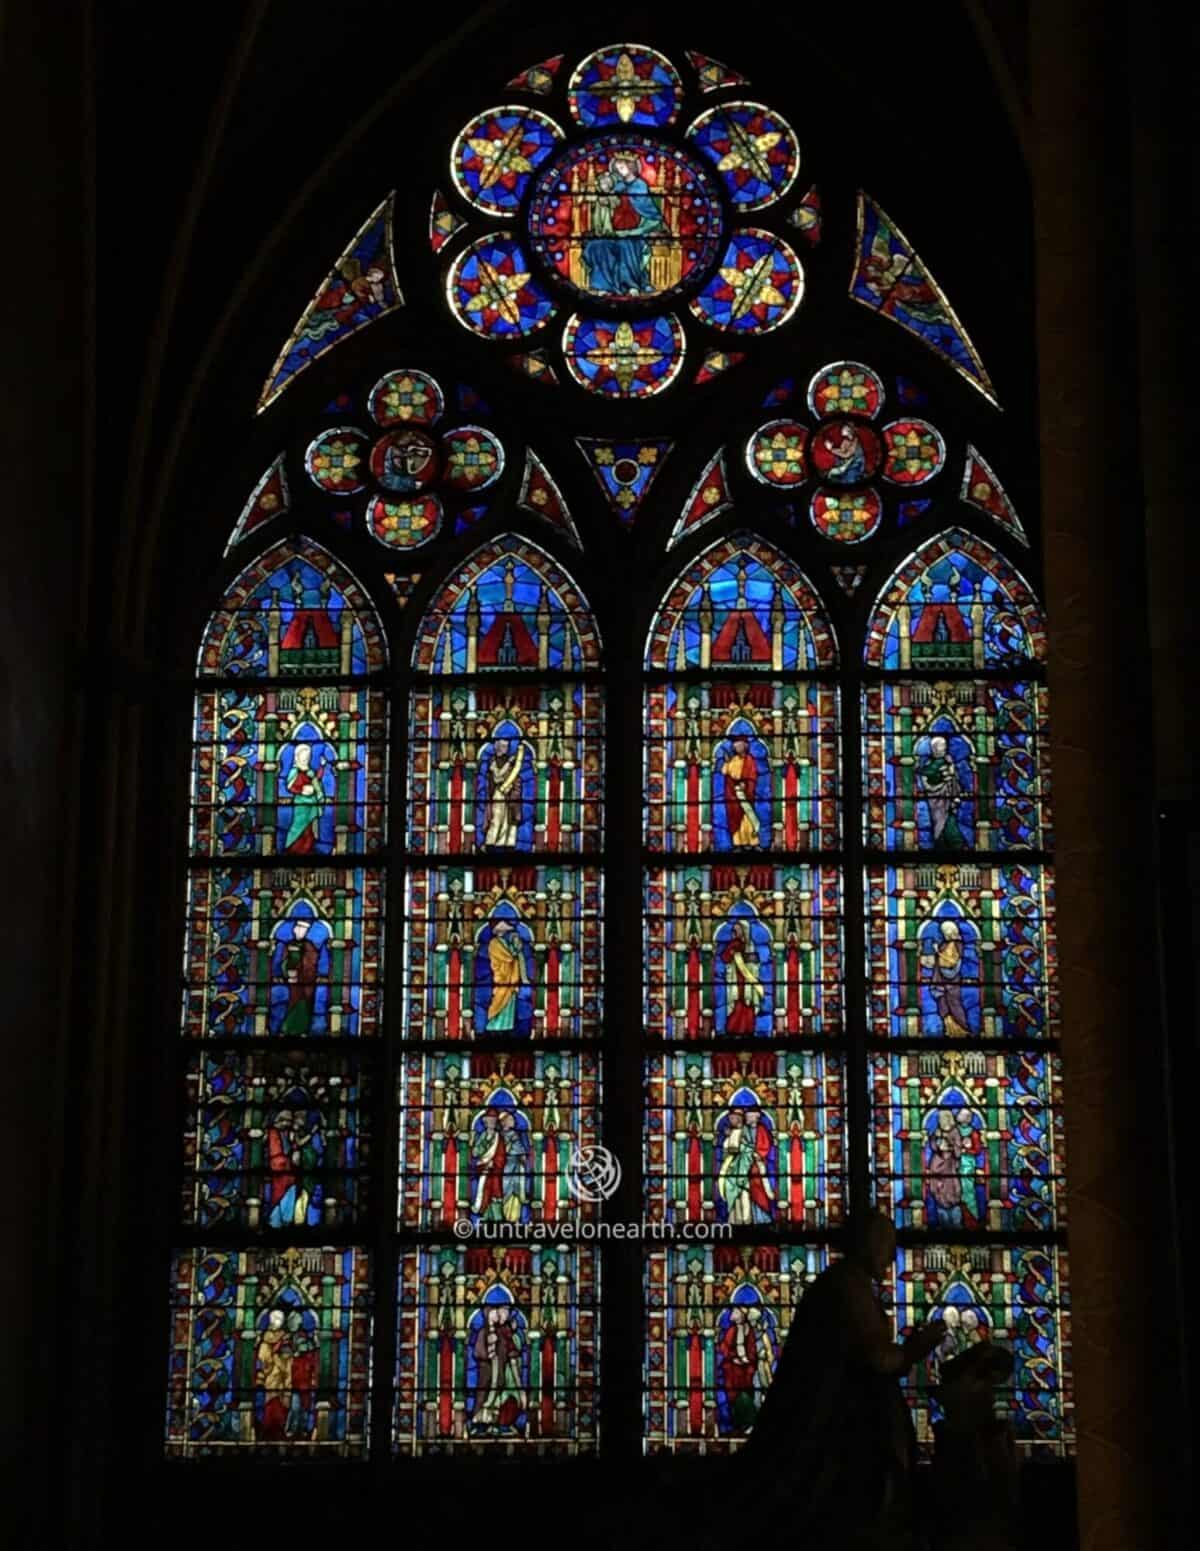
(759, 885)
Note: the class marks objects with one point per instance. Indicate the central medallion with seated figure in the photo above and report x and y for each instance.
(626, 219)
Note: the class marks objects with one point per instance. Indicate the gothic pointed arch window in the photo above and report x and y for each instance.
(619, 794)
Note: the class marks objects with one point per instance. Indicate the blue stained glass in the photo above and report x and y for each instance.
(624, 359)
(508, 606)
(492, 291)
(962, 951)
(741, 604)
(497, 154)
(754, 150)
(757, 286)
(955, 603)
(625, 84)
(294, 611)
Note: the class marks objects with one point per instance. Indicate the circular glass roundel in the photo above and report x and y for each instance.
(845, 388)
(848, 518)
(625, 84)
(626, 358)
(406, 398)
(757, 286)
(626, 218)
(915, 452)
(754, 150)
(336, 461)
(404, 524)
(497, 153)
(492, 291)
(472, 458)
(405, 460)
(845, 452)
(775, 454)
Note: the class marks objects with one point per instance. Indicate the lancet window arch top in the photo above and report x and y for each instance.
(417, 900)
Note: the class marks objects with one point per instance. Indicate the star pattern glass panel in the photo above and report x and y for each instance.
(741, 767)
(956, 765)
(743, 951)
(497, 1349)
(518, 768)
(503, 952)
(270, 1352)
(716, 1318)
(488, 1138)
(968, 1139)
(626, 84)
(286, 953)
(275, 1139)
(492, 290)
(962, 951)
(626, 358)
(757, 286)
(497, 154)
(753, 149)
(747, 1139)
(290, 772)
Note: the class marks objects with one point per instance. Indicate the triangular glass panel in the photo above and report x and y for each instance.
(713, 75)
(909, 511)
(540, 495)
(848, 577)
(470, 401)
(535, 364)
(625, 470)
(469, 517)
(780, 393)
(806, 217)
(982, 489)
(269, 498)
(717, 362)
(444, 223)
(708, 499)
(538, 79)
(402, 586)
(360, 288)
(890, 279)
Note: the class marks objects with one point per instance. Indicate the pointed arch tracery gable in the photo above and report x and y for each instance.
(955, 603)
(509, 605)
(742, 604)
(296, 610)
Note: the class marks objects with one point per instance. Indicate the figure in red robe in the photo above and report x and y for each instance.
(743, 983)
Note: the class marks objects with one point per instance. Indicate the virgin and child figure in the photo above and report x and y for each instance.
(623, 216)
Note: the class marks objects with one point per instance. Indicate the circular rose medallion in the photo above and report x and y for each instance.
(403, 398)
(404, 524)
(915, 452)
(625, 218)
(754, 151)
(624, 358)
(336, 461)
(405, 461)
(497, 153)
(625, 84)
(845, 452)
(757, 286)
(845, 388)
(775, 453)
(472, 458)
(846, 517)
(492, 291)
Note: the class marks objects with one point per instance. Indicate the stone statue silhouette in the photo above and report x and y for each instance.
(834, 1445)
(974, 1488)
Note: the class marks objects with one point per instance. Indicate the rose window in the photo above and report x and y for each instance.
(624, 230)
